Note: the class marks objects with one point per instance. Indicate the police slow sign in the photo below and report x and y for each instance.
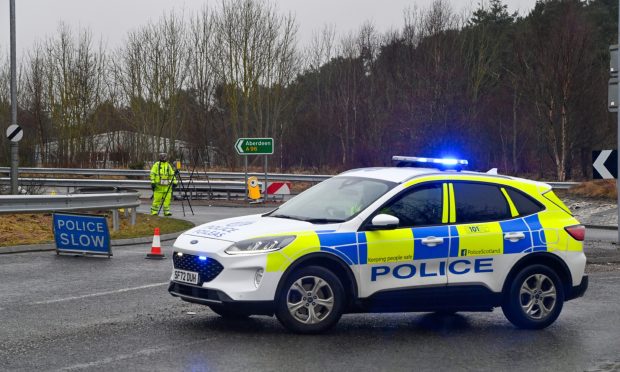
(82, 233)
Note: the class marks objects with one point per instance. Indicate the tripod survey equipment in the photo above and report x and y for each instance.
(183, 192)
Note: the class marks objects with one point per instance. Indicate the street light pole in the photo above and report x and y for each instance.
(14, 146)
(618, 130)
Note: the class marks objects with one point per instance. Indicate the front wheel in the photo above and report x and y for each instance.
(534, 299)
(311, 300)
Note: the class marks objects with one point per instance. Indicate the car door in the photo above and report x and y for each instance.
(477, 213)
(415, 253)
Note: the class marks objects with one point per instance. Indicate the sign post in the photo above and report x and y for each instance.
(614, 65)
(82, 233)
(254, 146)
(14, 147)
(14, 134)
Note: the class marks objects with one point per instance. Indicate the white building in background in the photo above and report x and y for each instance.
(119, 148)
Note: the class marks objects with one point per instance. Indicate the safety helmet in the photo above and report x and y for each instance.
(163, 156)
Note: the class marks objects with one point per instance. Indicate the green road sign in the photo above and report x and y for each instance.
(254, 146)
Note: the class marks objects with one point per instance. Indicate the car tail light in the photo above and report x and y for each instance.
(578, 232)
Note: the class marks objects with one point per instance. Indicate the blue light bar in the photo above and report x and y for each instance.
(442, 162)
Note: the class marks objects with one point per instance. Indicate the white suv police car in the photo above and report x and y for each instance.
(391, 239)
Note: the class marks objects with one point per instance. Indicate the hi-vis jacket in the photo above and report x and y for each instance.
(162, 173)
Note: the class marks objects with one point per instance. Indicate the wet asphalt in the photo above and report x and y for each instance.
(65, 313)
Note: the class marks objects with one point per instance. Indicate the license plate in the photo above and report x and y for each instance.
(185, 276)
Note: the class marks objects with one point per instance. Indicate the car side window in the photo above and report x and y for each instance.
(479, 202)
(525, 205)
(418, 207)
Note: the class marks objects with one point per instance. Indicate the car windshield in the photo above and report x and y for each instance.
(334, 200)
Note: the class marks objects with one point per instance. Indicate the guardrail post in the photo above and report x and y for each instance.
(133, 216)
(115, 220)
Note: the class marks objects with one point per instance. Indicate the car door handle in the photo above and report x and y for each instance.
(432, 241)
(514, 236)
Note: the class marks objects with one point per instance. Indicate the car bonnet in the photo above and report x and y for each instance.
(247, 227)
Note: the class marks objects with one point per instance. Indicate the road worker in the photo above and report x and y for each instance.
(163, 182)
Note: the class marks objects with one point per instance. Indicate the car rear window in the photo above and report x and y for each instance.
(525, 205)
(479, 202)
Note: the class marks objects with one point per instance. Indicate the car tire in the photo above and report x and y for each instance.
(534, 299)
(446, 312)
(315, 309)
(228, 313)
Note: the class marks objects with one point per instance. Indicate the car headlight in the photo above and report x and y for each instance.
(260, 245)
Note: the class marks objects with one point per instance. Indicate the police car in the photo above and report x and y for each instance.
(422, 236)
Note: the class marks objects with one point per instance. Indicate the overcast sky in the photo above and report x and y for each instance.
(112, 19)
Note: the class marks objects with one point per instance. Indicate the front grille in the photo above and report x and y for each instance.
(207, 269)
(196, 292)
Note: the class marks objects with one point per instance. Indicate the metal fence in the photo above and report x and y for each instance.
(222, 184)
(129, 200)
(203, 178)
(102, 173)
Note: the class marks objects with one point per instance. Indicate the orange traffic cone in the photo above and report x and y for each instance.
(156, 252)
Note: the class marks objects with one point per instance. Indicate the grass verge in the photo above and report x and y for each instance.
(19, 229)
(595, 189)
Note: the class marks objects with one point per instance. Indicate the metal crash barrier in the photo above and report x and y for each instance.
(95, 198)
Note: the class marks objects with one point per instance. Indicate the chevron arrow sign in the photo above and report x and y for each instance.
(605, 164)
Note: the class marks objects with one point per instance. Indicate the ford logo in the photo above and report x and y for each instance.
(193, 242)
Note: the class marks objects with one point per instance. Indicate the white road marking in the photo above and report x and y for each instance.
(117, 358)
(99, 294)
(133, 355)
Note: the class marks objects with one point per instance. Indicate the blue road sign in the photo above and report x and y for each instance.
(82, 233)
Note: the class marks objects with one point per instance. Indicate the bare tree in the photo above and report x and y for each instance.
(202, 78)
(151, 70)
(74, 79)
(255, 59)
(551, 74)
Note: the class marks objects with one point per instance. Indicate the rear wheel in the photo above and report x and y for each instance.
(228, 313)
(445, 312)
(535, 298)
(311, 300)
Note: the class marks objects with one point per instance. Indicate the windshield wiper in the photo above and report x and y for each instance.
(286, 216)
(323, 220)
(311, 220)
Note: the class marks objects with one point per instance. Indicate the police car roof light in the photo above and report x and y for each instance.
(443, 163)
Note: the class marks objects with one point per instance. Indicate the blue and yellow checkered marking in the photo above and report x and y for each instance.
(517, 225)
(402, 245)
(424, 252)
(539, 243)
(363, 248)
(454, 242)
(343, 245)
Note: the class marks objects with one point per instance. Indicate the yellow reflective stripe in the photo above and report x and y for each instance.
(306, 242)
(480, 239)
(389, 245)
(452, 205)
(513, 209)
(444, 216)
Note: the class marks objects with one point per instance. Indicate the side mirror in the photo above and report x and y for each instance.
(383, 222)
